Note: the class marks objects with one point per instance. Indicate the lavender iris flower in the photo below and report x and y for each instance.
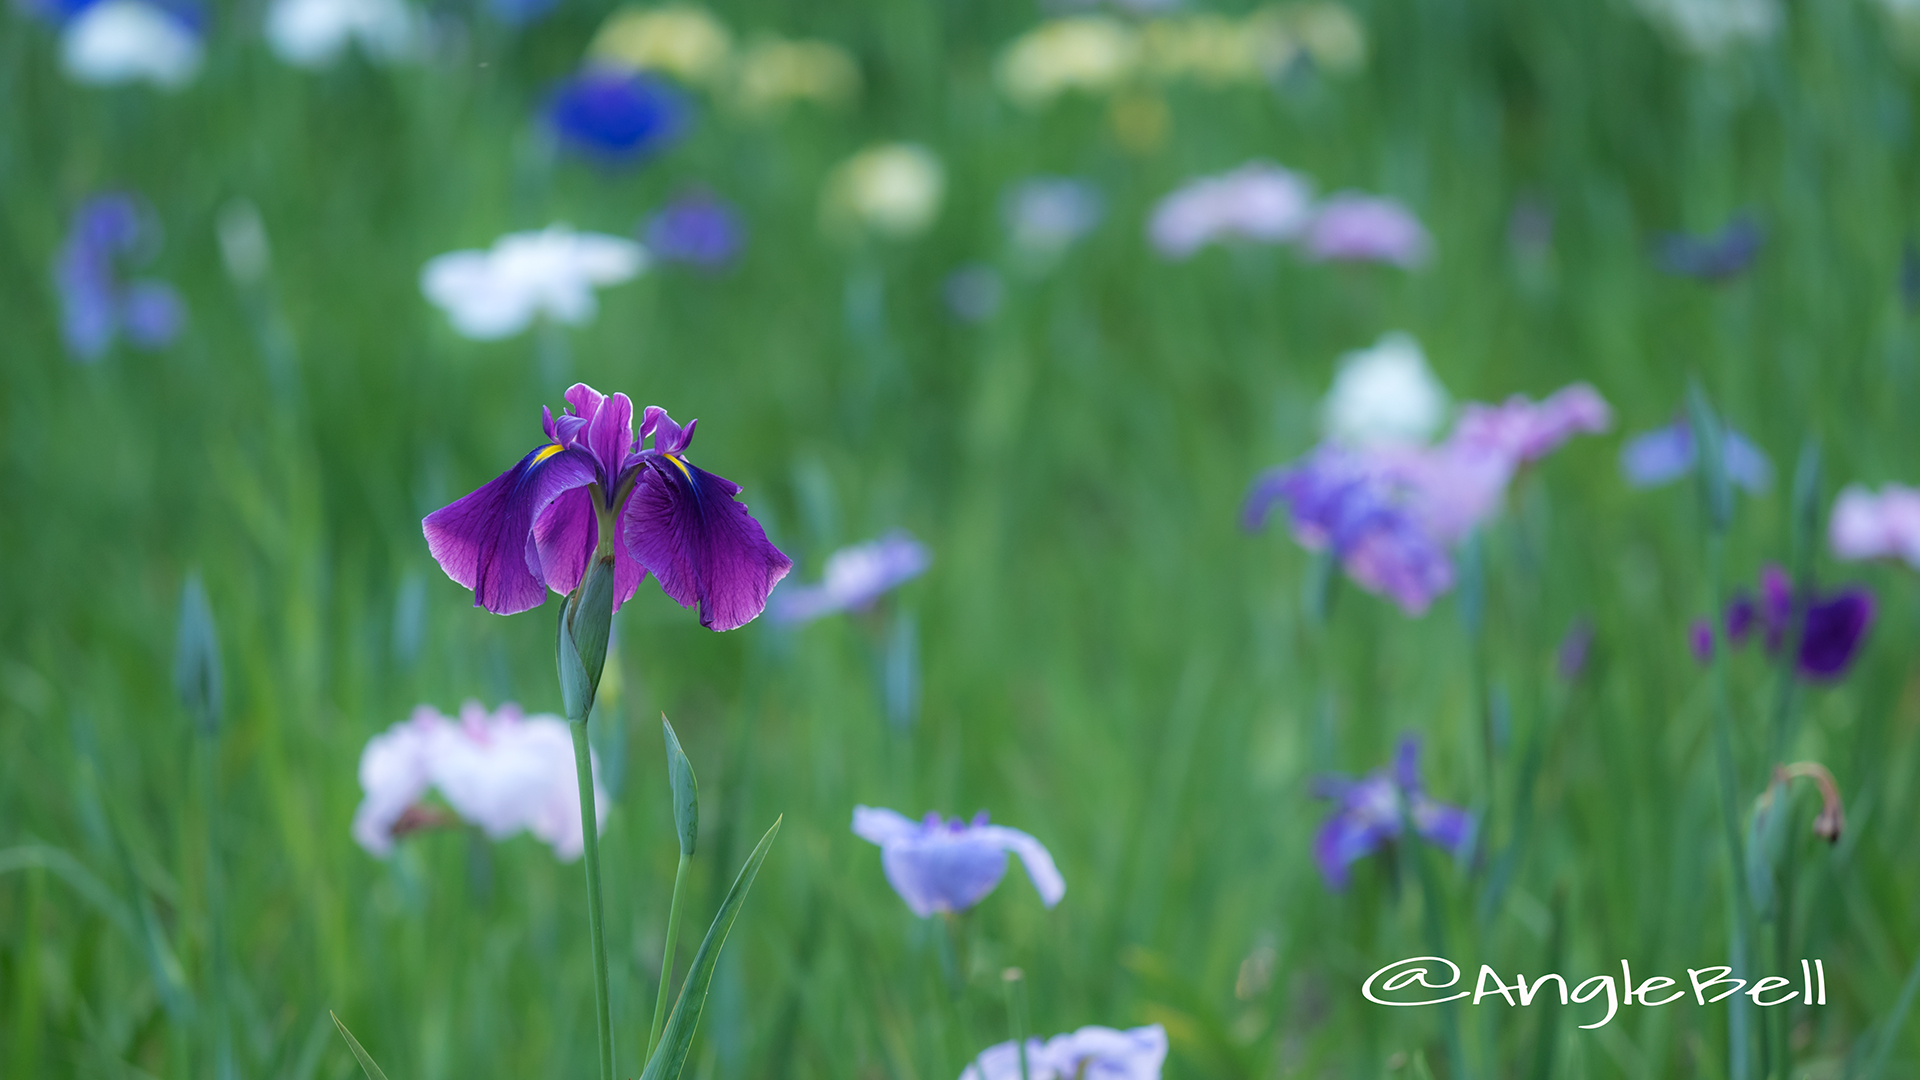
(697, 229)
(1886, 525)
(617, 117)
(1666, 454)
(855, 577)
(1092, 1053)
(952, 865)
(1389, 512)
(96, 304)
(537, 525)
(1831, 627)
(1353, 227)
(1258, 202)
(1369, 813)
(1719, 257)
(1343, 501)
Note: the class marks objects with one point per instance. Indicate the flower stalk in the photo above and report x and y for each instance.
(1717, 503)
(1015, 980)
(666, 960)
(586, 620)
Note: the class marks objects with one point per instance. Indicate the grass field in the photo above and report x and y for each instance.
(1107, 660)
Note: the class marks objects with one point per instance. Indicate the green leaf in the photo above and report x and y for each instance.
(686, 792)
(1806, 507)
(366, 1060)
(671, 1055)
(1715, 494)
(196, 658)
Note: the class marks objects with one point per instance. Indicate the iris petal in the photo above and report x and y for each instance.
(684, 525)
(481, 540)
(1034, 856)
(562, 545)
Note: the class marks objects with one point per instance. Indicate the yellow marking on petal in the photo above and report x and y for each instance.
(546, 452)
(681, 465)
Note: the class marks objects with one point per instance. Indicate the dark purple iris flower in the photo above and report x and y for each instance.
(1831, 635)
(1740, 616)
(1719, 257)
(538, 525)
(96, 304)
(1830, 627)
(698, 229)
(1369, 813)
(616, 116)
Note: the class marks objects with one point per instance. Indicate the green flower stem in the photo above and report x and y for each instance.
(1017, 1015)
(1739, 1049)
(590, 831)
(666, 960)
(216, 974)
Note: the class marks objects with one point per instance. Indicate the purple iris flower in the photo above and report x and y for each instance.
(537, 525)
(952, 865)
(1719, 257)
(1664, 455)
(1776, 603)
(1831, 635)
(1831, 627)
(1741, 614)
(96, 304)
(1389, 512)
(1369, 812)
(1700, 639)
(698, 229)
(1342, 501)
(616, 116)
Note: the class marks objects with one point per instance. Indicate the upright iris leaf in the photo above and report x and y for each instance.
(670, 1057)
(366, 1060)
(1715, 494)
(196, 658)
(686, 792)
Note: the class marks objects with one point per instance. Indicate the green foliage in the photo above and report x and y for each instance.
(686, 792)
(1109, 662)
(670, 1057)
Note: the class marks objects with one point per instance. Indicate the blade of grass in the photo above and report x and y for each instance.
(670, 1057)
(367, 1065)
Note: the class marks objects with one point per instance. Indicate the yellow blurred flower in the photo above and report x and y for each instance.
(1088, 52)
(1216, 49)
(773, 73)
(1330, 33)
(681, 40)
(893, 189)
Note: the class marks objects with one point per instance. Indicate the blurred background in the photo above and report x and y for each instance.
(228, 353)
